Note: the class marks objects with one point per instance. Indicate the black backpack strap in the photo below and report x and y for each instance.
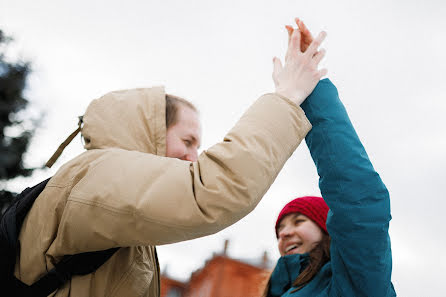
(12, 219)
(79, 264)
(10, 225)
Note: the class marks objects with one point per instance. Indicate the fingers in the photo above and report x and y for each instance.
(297, 20)
(290, 32)
(312, 49)
(300, 24)
(294, 45)
(307, 38)
(295, 39)
(319, 56)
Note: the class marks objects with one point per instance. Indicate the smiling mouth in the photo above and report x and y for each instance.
(291, 247)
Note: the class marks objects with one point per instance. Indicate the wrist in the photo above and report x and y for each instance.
(295, 97)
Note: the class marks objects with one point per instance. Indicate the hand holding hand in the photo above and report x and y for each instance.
(299, 76)
(305, 34)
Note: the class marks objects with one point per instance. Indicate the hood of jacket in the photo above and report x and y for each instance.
(116, 195)
(131, 119)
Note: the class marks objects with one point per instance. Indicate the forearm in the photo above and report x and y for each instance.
(346, 174)
(134, 198)
(359, 203)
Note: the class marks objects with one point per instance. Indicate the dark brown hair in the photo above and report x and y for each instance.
(172, 104)
(318, 257)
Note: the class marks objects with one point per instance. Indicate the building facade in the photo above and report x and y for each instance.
(221, 276)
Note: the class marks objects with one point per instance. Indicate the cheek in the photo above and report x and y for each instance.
(313, 235)
(174, 147)
(169, 147)
(178, 150)
(280, 247)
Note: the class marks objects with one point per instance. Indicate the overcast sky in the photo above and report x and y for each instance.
(386, 58)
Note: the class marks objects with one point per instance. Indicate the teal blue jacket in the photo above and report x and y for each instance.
(358, 220)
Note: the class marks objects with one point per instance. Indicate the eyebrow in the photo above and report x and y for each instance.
(294, 216)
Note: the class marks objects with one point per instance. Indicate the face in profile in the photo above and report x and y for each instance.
(297, 234)
(184, 137)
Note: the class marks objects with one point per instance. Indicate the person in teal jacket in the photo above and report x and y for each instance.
(350, 255)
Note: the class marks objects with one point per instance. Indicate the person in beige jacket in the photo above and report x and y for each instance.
(141, 183)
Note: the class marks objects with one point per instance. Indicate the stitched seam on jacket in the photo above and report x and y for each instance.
(114, 211)
(124, 277)
(52, 184)
(301, 114)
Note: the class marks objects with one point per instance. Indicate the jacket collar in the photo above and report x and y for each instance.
(285, 273)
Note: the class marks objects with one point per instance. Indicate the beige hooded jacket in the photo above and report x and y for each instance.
(124, 192)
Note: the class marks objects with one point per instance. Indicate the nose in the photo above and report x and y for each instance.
(285, 232)
(192, 155)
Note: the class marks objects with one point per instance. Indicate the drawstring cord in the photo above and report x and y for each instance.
(64, 144)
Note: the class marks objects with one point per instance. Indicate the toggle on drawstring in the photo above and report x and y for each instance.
(64, 144)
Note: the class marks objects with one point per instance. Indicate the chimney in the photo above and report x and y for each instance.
(265, 259)
(164, 271)
(225, 247)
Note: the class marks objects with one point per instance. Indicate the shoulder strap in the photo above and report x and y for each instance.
(79, 264)
(12, 219)
(10, 225)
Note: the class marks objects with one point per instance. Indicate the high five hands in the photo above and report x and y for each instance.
(299, 76)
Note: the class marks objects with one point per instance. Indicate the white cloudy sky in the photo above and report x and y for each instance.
(386, 57)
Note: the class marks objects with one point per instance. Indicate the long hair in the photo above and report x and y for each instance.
(318, 257)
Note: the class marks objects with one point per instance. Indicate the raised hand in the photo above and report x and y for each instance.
(305, 34)
(300, 74)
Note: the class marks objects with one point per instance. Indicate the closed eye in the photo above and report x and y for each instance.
(298, 221)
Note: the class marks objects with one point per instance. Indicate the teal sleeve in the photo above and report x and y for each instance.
(358, 220)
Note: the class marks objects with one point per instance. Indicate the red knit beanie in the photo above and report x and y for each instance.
(312, 207)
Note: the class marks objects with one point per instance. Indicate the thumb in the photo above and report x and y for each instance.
(277, 64)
